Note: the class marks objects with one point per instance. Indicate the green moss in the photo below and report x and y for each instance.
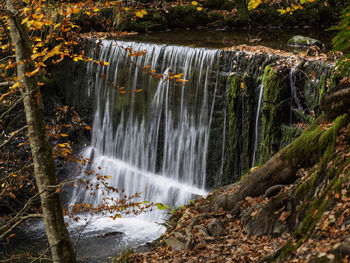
(323, 88)
(275, 101)
(315, 141)
(323, 179)
(327, 139)
(240, 133)
(303, 188)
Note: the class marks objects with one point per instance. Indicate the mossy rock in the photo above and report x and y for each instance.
(302, 41)
(274, 113)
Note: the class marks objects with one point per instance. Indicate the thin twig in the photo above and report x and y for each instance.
(12, 56)
(19, 222)
(11, 108)
(13, 135)
(43, 254)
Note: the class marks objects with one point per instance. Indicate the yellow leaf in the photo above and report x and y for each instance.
(199, 8)
(87, 127)
(178, 75)
(3, 185)
(25, 20)
(139, 14)
(144, 12)
(138, 90)
(12, 195)
(281, 11)
(288, 9)
(57, 25)
(15, 85)
(194, 3)
(253, 4)
(105, 63)
(64, 135)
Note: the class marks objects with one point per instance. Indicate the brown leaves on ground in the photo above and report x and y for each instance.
(234, 246)
(284, 54)
(327, 240)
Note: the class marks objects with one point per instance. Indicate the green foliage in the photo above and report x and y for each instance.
(161, 206)
(342, 41)
(177, 209)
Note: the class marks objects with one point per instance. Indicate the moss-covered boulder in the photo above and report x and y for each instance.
(302, 41)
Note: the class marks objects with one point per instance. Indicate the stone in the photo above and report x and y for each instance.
(215, 228)
(201, 230)
(174, 243)
(302, 41)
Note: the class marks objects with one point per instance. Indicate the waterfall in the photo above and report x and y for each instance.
(148, 134)
(293, 89)
(261, 87)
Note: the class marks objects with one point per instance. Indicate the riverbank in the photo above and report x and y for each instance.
(284, 211)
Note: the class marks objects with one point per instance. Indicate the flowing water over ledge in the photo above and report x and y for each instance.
(155, 142)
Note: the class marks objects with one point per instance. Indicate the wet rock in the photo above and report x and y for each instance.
(108, 234)
(174, 243)
(216, 228)
(302, 41)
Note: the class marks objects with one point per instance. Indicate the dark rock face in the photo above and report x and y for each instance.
(336, 101)
(234, 113)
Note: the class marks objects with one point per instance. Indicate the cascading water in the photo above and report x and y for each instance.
(261, 88)
(293, 90)
(154, 141)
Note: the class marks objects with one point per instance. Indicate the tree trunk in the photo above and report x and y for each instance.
(44, 167)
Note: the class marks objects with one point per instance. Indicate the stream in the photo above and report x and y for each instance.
(152, 139)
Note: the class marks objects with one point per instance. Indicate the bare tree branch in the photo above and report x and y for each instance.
(20, 220)
(13, 135)
(12, 107)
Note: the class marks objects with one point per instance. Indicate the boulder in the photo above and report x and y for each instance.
(174, 243)
(302, 41)
(215, 228)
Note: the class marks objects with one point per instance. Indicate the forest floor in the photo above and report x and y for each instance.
(222, 235)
